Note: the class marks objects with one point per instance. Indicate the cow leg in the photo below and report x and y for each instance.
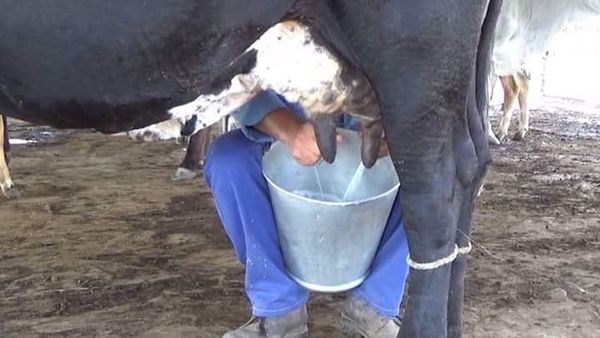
(421, 67)
(524, 115)
(192, 164)
(478, 127)
(6, 184)
(511, 90)
(477, 134)
(7, 147)
(459, 266)
(492, 138)
(464, 175)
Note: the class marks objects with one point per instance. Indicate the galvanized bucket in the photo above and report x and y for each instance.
(328, 240)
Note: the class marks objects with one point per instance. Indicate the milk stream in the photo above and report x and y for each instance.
(319, 182)
(354, 181)
(351, 189)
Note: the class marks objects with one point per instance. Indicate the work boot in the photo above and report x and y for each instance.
(359, 319)
(291, 325)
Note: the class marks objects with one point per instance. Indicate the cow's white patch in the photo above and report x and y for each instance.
(210, 109)
(18, 141)
(166, 130)
(289, 62)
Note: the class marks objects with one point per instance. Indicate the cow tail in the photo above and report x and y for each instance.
(484, 55)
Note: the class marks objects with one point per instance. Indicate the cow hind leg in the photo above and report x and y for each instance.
(423, 99)
(436, 247)
(6, 141)
(436, 162)
(459, 266)
(7, 186)
(477, 115)
(192, 164)
(492, 138)
(470, 191)
(523, 81)
(511, 91)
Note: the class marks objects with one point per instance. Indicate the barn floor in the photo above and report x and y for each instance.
(103, 244)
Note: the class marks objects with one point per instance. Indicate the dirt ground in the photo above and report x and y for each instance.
(103, 244)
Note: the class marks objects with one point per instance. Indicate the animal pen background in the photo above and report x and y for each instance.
(103, 244)
(571, 68)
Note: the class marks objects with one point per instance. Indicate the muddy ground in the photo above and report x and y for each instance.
(103, 244)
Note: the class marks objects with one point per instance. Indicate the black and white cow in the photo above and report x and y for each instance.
(117, 65)
(289, 61)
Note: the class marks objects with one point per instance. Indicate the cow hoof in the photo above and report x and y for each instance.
(519, 136)
(492, 139)
(183, 174)
(9, 191)
(480, 191)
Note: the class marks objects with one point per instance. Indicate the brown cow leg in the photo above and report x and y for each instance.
(7, 147)
(523, 83)
(6, 185)
(194, 157)
(511, 90)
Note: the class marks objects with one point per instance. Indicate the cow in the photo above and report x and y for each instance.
(524, 32)
(114, 66)
(515, 87)
(197, 149)
(197, 144)
(6, 184)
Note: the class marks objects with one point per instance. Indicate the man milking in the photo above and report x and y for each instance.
(233, 172)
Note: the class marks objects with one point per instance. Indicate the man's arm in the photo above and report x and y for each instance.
(269, 116)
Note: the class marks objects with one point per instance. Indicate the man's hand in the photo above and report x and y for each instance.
(297, 134)
(302, 142)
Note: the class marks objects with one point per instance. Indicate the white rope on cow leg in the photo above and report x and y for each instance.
(465, 249)
(435, 264)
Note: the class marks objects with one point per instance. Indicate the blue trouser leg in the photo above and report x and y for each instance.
(234, 173)
(384, 287)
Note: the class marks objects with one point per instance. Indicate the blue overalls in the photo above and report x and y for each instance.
(233, 171)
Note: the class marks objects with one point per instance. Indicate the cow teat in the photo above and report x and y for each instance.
(326, 136)
(370, 131)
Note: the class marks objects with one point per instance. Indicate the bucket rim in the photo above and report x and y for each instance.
(329, 288)
(331, 203)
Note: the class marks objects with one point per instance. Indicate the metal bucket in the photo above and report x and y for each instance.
(328, 242)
